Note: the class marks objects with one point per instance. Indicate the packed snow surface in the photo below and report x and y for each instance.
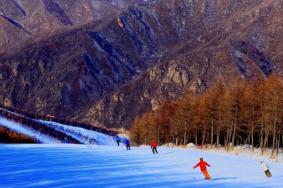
(112, 166)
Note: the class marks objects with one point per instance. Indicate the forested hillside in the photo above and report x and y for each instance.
(228, 114)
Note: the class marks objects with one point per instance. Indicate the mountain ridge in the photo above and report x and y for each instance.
(147, 54)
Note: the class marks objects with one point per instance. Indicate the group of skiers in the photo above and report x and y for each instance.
(153, 144)
(201, 164)
(125, 141)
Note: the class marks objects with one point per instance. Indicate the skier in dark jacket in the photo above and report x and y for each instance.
(128, 145)
(118, 140)
(153, 147)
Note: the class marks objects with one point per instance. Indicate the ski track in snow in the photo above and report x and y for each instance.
(109, 166)
(27, 131)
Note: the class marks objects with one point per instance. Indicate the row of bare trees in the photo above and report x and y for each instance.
(10, 136)
(237, 113)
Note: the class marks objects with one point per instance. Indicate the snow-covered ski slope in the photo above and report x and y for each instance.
(26, 131)
(83, 135)
(109, 166)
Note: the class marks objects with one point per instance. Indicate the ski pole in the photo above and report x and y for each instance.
(194, 174)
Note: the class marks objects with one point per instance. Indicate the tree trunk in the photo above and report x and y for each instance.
(196, 138)
(253, 127)
(274, 135)
(185, 135)
(211, 136)
(234, 128)
(252, 138)
(263, 132)
(145, 140)
(265, 141)
(158, 137)
(277, 146)
(227, 139)
(203, 137)
(177, 140)
(218, 136)
(261, 136)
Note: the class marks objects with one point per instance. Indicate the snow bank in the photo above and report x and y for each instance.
(190, 145)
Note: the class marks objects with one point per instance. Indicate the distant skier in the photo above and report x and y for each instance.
(118, 140)
(153, 147)
(265, 168)
(128, 145)
(202, 164)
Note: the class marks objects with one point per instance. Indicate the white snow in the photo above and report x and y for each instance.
(190, 145)
(27, 131)
(109, 166)
(83, 135)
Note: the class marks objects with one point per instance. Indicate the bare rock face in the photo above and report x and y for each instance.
(105, 63)
(27, 21)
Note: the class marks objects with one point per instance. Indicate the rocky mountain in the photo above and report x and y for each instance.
(106, 62)
(24, 22)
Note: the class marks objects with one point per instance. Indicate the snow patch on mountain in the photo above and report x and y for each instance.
(83, 135)
(19, 128)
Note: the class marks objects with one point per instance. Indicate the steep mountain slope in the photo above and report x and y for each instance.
(27, 21)
(108, 71)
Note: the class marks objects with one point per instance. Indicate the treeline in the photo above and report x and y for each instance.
(226, 115)
(9, 136)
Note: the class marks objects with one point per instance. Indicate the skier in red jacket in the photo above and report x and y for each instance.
(153, 146)
(202, 164)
